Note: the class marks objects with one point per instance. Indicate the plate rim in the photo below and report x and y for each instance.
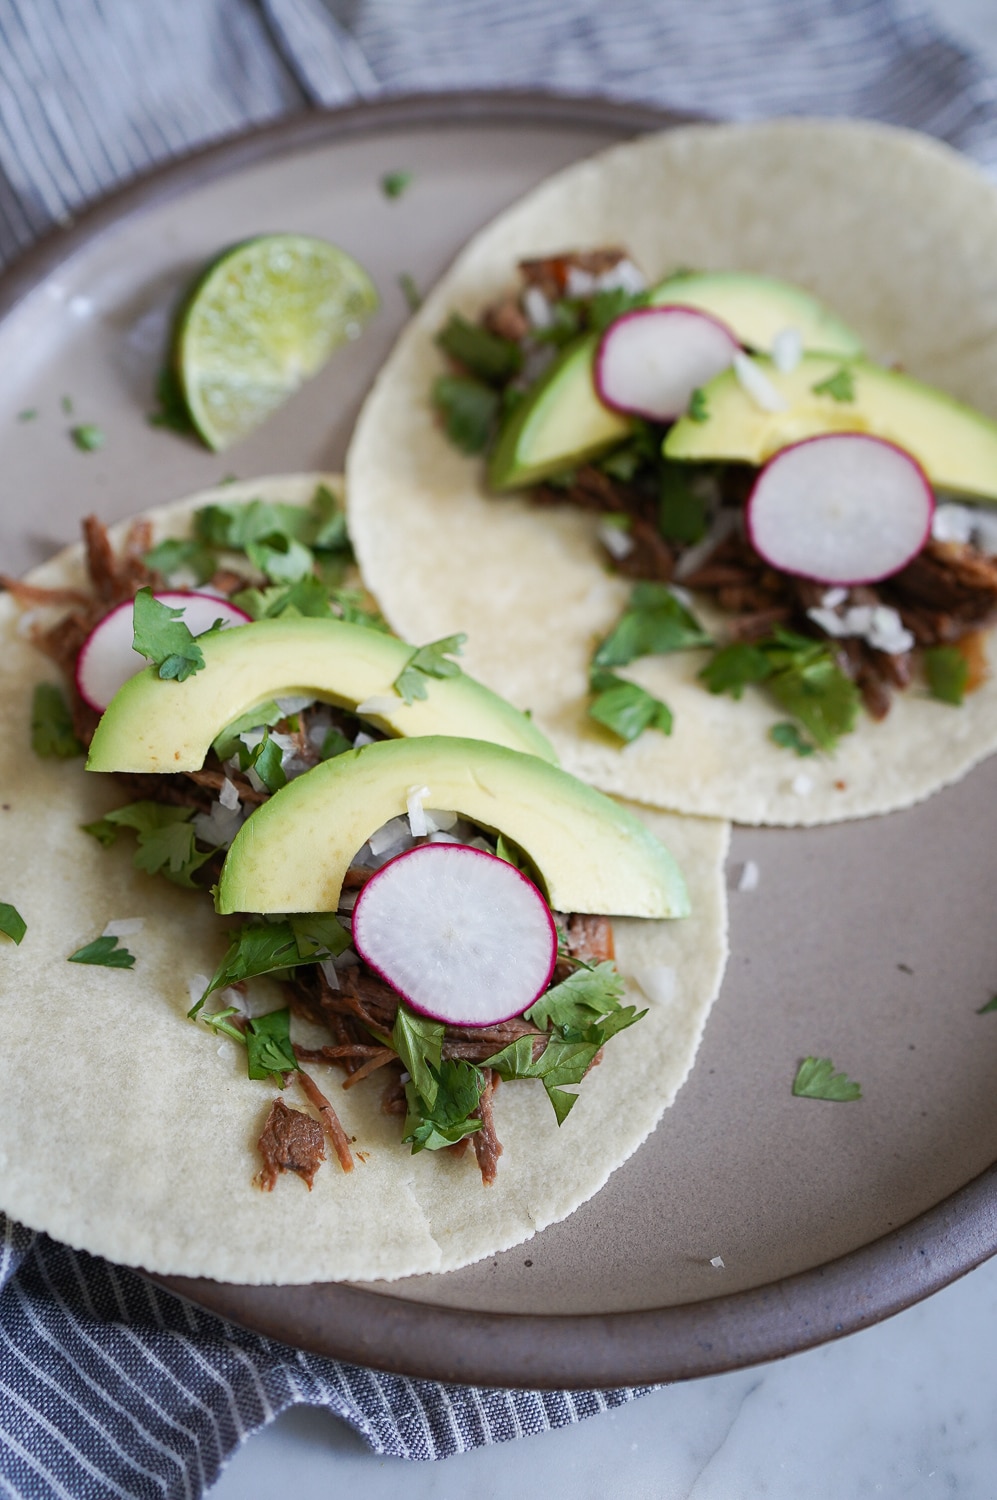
(454, 1344)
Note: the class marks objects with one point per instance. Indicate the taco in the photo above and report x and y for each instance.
(130, 1131)
(876, 240)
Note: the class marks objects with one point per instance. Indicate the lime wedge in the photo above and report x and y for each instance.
(264, 316)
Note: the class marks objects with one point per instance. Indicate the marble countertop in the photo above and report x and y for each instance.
(907, 1408)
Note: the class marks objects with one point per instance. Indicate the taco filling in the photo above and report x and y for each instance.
(438, 1077)
(777, 601)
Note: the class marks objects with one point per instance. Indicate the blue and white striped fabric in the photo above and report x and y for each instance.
(109, 1387)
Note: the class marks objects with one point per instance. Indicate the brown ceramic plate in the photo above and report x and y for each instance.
(870, 943)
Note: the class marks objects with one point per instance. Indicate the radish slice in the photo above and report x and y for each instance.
(107, 659)
(843, 508)
(460, 934)
(651, 360)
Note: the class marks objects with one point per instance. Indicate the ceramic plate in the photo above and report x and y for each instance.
(870, 943)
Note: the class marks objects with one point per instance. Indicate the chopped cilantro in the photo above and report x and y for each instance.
(174, 554)
(12, 924)
(105, 953)
(488, 356)
(802, 676)
(469, 409)
(307, 596)
(28, 414)
(411, 293)
(268, 1042)
(788, 737)
(163, 639)
(219, 1020)
(335, 743)
(430, 1127)
(88, 438)
(606, 307)
(683, 516)
(260, 947)
(699, 409)
(419, 1042)
(393, 184)
(52, 733)
(267, 763)
(642, 449)
(654, 622)
(947, 671)
(990, 1005)
(625, 707)
(319, 934)
(565, 323)
(228, 742)
(428, 661)
(172, 411)
(840, 386)
(165, 839)
(816, 1079)
(582, 1013)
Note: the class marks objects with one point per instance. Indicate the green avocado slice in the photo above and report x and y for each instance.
(592, 854)
(955, 445)
(157, 725)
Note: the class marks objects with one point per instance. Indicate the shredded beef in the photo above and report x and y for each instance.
(487, 1146)
(551, 272)
(329, 1118)
(589, 937)
(291, 1142)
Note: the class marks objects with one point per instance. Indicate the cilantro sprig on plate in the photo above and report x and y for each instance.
(800, 674)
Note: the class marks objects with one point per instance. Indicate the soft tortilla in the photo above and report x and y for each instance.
(898, 235)
(128, 1131)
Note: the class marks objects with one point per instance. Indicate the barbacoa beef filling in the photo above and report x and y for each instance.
(945, 597)
(363, 1009)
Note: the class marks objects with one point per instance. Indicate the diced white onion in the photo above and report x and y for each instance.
(748, 876)
(443, 838)
(717, 1262)
(623, 277)
(833, 597)
(393, 832)
(294, 704)
(228, 795)
(363, 738)
(802, 784)
(787, 350)
(123, 927)
(580, 283)
(417, 823)
(328, 969)
(219, 825)
(617, 540)
(756, 384)
(878, 624)
(658, 981)
(256, 781)
(952, 523)
(348, 900)
(537, 308)
(441, 819)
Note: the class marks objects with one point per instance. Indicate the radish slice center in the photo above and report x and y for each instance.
(844, 508)
(107, 659)
(460, 934)
(651, 360)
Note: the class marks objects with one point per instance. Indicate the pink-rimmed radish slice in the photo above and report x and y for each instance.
(107, 659)
(460, 934)
(843, 508)
(650, 361)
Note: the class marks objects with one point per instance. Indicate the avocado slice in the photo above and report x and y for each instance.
(592, 854)
(955, 445)
(157, 725)
(756, 308)
(562, 422)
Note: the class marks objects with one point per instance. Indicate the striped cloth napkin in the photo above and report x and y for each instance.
(109, 1387)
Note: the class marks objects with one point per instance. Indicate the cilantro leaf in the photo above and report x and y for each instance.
(606, 306)
(319, 934)
(625, 707)
(173, 554)
(469, 409)
(699, 409)
(268, 1042)
(840, 386)
(52, 733)
(165, 839)
(947, 671)
(585, 996)
(12, 924)
(88, 438)
(257, 948)
(335, 743)
(419, 1042)
(816, 1079)
(566, 319)
(104, 951)
(732, 667)
(682, 514)
(459, 1086)
(788, 737)
(800, 673)
(306, 596)
(654, 622)
(268, 764)
(560, 1063)
(990, 1005)
(507, 850)
(163, 639)
(490, 357)
(428, 661)
(228, 742)
(393, 184)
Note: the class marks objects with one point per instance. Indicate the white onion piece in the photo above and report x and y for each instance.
(843, 508)
(107, 659)
(651, 360)
(460, 934)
